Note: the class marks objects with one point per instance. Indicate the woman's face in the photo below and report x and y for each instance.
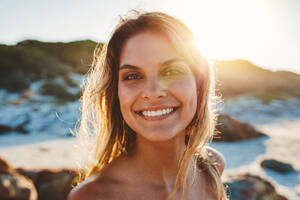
(157, 90)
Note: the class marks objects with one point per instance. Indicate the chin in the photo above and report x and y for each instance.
(158, 136)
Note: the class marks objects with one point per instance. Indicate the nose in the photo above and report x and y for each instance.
(153, 89)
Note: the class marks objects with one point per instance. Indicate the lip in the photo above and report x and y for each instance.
(155, 118)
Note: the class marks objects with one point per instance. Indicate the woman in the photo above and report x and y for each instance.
(148, 105)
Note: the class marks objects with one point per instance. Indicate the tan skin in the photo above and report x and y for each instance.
(152, 77)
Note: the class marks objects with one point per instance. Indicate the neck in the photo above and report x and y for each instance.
(160, 160)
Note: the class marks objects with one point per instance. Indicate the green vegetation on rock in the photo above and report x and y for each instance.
(241, 77)
(77, 54)
(31, 60)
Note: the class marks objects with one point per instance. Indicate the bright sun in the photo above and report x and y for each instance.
(232, 29)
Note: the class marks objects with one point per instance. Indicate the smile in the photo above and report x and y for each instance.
(157, 114)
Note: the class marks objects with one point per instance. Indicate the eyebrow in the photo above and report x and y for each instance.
(127, 66)
(167, 62)
(173, 60)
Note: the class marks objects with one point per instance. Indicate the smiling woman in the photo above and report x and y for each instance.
(147, 111)
(158, 84)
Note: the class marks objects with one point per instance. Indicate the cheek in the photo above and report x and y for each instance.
(187, 90)
(123, 98)
(127, 96)
(193, 99)
(188, 96)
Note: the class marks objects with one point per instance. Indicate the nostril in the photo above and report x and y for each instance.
(153, 93)
(153, 90)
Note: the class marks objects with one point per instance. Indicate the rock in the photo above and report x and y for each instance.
(59, 91)
(14, 186)
(4, 166)
(251, 187)
(5, 129)
(24, 96)
(20, 129)
(51, 184)
(232, 130)
(277, 166)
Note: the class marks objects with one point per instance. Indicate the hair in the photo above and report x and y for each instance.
(103, 131)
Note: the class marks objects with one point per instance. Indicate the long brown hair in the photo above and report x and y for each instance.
(103, 131)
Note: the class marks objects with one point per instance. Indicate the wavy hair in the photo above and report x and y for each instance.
(103, 132)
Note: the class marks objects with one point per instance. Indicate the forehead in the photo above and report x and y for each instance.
(147, 48)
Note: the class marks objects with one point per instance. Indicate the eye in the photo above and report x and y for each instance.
(173, 71)
(131, 76)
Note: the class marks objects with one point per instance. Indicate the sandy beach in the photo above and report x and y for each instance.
(52, 154)
(282, 144)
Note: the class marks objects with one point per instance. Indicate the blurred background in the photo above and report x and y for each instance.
(47, 47)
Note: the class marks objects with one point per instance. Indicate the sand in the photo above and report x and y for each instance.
(52, 154)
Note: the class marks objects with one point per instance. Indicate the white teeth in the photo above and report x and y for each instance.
(160, 112)
(157, 112)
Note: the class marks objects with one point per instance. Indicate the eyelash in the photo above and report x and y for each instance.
(173, 71)
(169, 72)
(131, 76)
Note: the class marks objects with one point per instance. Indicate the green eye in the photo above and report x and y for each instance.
(173, 72)
(171, 75)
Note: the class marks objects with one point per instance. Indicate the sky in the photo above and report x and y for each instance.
(265, 32)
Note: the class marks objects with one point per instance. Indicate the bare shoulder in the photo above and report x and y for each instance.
(90, 189)
(106, 184)
(216, 158)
